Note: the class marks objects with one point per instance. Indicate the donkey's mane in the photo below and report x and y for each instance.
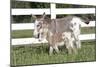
(47, 19)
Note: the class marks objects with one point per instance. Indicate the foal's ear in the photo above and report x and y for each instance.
(44, 15)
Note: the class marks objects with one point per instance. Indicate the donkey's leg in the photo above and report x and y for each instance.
(56, 48)
(77, 41)
(73, 47)
(50, 50)
(69, 50)
(68, 46)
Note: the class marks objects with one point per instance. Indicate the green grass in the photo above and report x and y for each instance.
(29, 33)
(28, 55)
(87, 30)
(22, 33)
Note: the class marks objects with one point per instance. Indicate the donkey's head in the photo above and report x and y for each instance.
(41, 23)
(85, 20)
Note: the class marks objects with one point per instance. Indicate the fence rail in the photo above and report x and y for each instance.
(56, 11)
(25, 26)
(26, 41)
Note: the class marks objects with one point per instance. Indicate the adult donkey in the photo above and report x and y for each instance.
(59, 32)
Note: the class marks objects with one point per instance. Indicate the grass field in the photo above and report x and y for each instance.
(30, 55)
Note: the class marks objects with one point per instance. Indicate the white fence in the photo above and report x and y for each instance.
(53, 12)
(56, 11)
(27, 26)
(26, 41)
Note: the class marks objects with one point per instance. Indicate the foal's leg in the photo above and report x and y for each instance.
(69, 50)
(73, 47)
(77, 41)
(68, 46)
(50, 50)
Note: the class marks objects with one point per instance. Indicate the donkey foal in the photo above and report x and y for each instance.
(58, 39)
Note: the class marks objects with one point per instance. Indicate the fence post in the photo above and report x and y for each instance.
(52, 10)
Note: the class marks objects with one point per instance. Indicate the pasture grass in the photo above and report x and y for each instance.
(29, 33)
(32, 55)
(88, 30)
(22, 33)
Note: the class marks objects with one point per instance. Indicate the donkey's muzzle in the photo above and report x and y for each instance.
(87, 22)
(37, 36)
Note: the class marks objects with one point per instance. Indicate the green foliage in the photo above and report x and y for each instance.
(19, 4)
(39, 5)
(21, 19)
(63, 5)
(22, 33)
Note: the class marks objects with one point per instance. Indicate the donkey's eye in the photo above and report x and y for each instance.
(38, 25)
(74, 23)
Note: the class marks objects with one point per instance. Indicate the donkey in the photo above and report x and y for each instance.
(59, 31)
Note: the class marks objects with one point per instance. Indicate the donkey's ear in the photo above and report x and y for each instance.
(44, 15)
(33, 16)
